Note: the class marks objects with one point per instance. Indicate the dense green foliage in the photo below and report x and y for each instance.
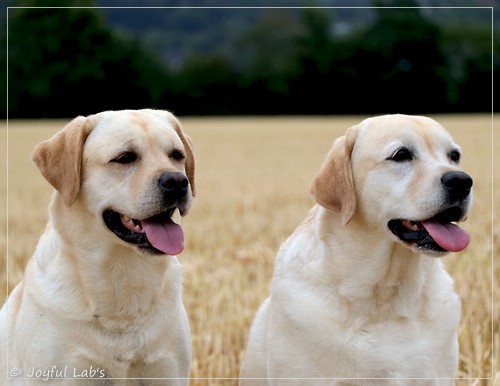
(65, 62)
(69, 61)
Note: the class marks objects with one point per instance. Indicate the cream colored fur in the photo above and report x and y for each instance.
(351, 304)
(92, 306)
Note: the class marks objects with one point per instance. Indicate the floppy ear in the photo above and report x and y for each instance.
(333, 187)
(60, 158)
(188, 147)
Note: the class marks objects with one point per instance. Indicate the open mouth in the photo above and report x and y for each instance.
(157, 234)
(438, 233)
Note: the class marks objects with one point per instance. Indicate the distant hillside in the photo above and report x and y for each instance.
(258, 60)
(175, 33)
(187, 28)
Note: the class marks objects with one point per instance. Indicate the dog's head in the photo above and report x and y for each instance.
(129, 169)
(402, 173)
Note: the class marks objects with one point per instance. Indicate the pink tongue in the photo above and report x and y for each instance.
(166, 236)
(449, 236)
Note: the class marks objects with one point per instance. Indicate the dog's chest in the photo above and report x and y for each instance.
(123, 352)
(341, 338)
(384, 350)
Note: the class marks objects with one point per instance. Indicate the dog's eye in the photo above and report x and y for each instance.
(125, 158)
(401, 155)
(177, 155)
(455, 156)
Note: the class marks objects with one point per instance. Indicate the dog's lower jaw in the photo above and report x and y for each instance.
(158, 234)
(434, 236)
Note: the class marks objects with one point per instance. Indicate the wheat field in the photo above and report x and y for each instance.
(252, 178)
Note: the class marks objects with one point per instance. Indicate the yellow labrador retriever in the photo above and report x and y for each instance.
(358, 295)
(102, 294)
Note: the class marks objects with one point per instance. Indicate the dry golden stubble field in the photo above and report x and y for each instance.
(253, 177)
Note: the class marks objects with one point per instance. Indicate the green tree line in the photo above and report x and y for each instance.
(68, 61)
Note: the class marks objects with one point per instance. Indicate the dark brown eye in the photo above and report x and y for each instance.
(455, 156)
(177, 155)
(401, 155)
(125, 158)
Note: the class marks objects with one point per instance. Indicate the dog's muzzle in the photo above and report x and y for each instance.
(440, 233)
(157, 233)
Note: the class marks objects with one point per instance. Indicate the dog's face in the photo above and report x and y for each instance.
(401, 173)
(130, 170)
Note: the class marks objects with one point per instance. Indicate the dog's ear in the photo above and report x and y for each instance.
(333, 187)
(60, 158)
(188, 147)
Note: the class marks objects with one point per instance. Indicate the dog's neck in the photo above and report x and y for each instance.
(362, 266)
(111, 285)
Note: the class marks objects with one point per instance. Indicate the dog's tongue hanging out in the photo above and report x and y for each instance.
(164, 235)
(448, 236)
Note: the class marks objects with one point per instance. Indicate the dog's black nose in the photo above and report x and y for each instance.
(175, 185)
(457, 184)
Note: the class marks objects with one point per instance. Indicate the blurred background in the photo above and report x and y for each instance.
(305, 57)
